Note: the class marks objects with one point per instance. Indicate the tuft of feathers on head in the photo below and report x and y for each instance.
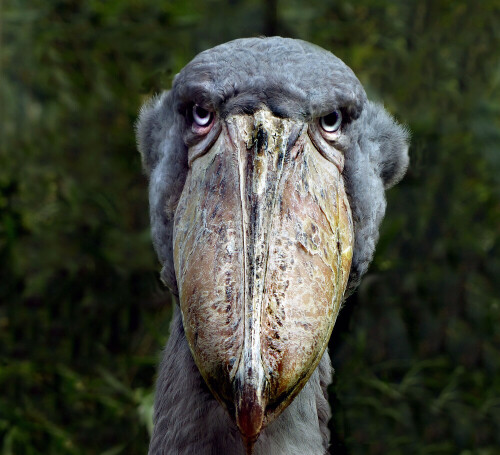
(164, 158)
(376, 162)
(391, 155)
(148, 130)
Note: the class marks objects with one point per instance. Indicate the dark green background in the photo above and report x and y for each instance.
(83, 316)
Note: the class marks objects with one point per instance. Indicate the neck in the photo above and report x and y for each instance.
(189, 420)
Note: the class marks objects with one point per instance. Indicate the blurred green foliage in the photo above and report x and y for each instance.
(83, 316)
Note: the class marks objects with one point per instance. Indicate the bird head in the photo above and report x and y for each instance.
(267, 168)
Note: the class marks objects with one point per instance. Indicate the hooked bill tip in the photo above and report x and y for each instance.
(250, 410)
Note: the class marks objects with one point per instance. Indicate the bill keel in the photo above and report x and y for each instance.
(263, 241)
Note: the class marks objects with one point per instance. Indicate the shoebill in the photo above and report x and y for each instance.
(267, 167)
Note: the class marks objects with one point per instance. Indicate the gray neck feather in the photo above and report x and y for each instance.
(188, 420)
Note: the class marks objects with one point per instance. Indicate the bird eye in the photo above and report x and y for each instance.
(331, 122)
(201, 116)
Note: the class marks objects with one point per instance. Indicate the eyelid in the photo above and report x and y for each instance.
(201, 129)
(329, 136)
(197, 117)
(324, 145)
(199, 145)
(337, 125)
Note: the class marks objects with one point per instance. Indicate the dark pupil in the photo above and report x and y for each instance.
(200, 112)
(331, 118)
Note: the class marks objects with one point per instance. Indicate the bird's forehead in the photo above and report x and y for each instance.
(293, 78)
